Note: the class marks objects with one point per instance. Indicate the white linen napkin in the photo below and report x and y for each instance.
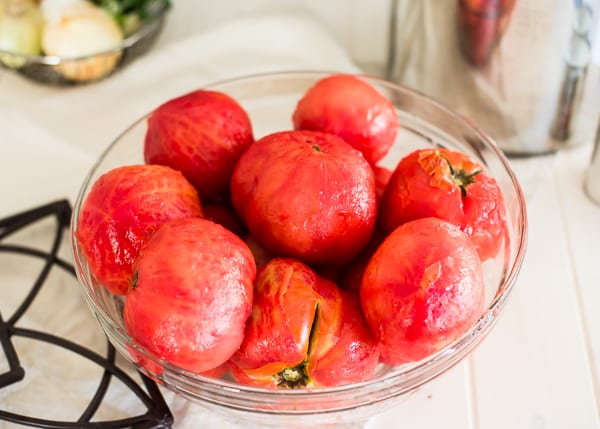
(90, 116)
(37, 166)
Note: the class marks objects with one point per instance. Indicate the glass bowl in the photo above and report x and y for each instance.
(58, 71)
(270, 100)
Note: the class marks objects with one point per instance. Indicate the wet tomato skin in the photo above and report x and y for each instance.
(124, 206)
(304, 325)
(224, 214)
(355, 356)
(306, 195)
(190, 308)
(295, 319)
(350, 276)
(382, 178)
(422, 289)
(202, 134)
(351, 108)
(449, 185)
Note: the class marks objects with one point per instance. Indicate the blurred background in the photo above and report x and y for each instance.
(525, 71)
(361, 27)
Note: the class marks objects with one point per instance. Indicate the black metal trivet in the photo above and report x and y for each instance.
(157, 415)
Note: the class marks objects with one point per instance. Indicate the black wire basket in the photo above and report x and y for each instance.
(14, 329)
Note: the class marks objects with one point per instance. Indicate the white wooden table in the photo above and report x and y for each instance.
(538, 369)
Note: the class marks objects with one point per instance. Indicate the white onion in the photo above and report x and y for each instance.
(53, 9)
(80, 29)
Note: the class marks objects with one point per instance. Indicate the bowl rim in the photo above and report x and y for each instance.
(412, 375)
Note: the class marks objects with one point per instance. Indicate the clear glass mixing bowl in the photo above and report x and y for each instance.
(270, 100)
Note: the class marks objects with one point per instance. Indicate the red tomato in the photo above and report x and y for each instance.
(451, 186)
(307, 195)
(202, 134)
(355, 356)
(224, 214)
(192, 294)
(422, 288)
(123, 207)
(350, 275)
(261, 255)
(353, 109)
(382, 178)
(295, 320)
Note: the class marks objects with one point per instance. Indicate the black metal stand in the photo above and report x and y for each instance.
(157, 415)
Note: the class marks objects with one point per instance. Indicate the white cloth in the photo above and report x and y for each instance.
(85, 119)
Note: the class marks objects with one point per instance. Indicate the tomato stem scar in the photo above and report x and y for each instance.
(296, 376)
(461, 177)
(293, 377)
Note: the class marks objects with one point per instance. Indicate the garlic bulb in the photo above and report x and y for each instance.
(76, 30)
(21, 25)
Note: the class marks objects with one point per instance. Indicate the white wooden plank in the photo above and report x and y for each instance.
(445, 402)
(533, 371)
(582, 219)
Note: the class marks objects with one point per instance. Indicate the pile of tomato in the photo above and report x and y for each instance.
(295, 259)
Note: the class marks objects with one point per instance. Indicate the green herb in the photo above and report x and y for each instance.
(131, 14)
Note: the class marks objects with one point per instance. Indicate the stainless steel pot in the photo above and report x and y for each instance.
(522, 70)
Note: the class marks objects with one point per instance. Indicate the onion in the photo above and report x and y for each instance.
(21, 25)
(86, 34)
